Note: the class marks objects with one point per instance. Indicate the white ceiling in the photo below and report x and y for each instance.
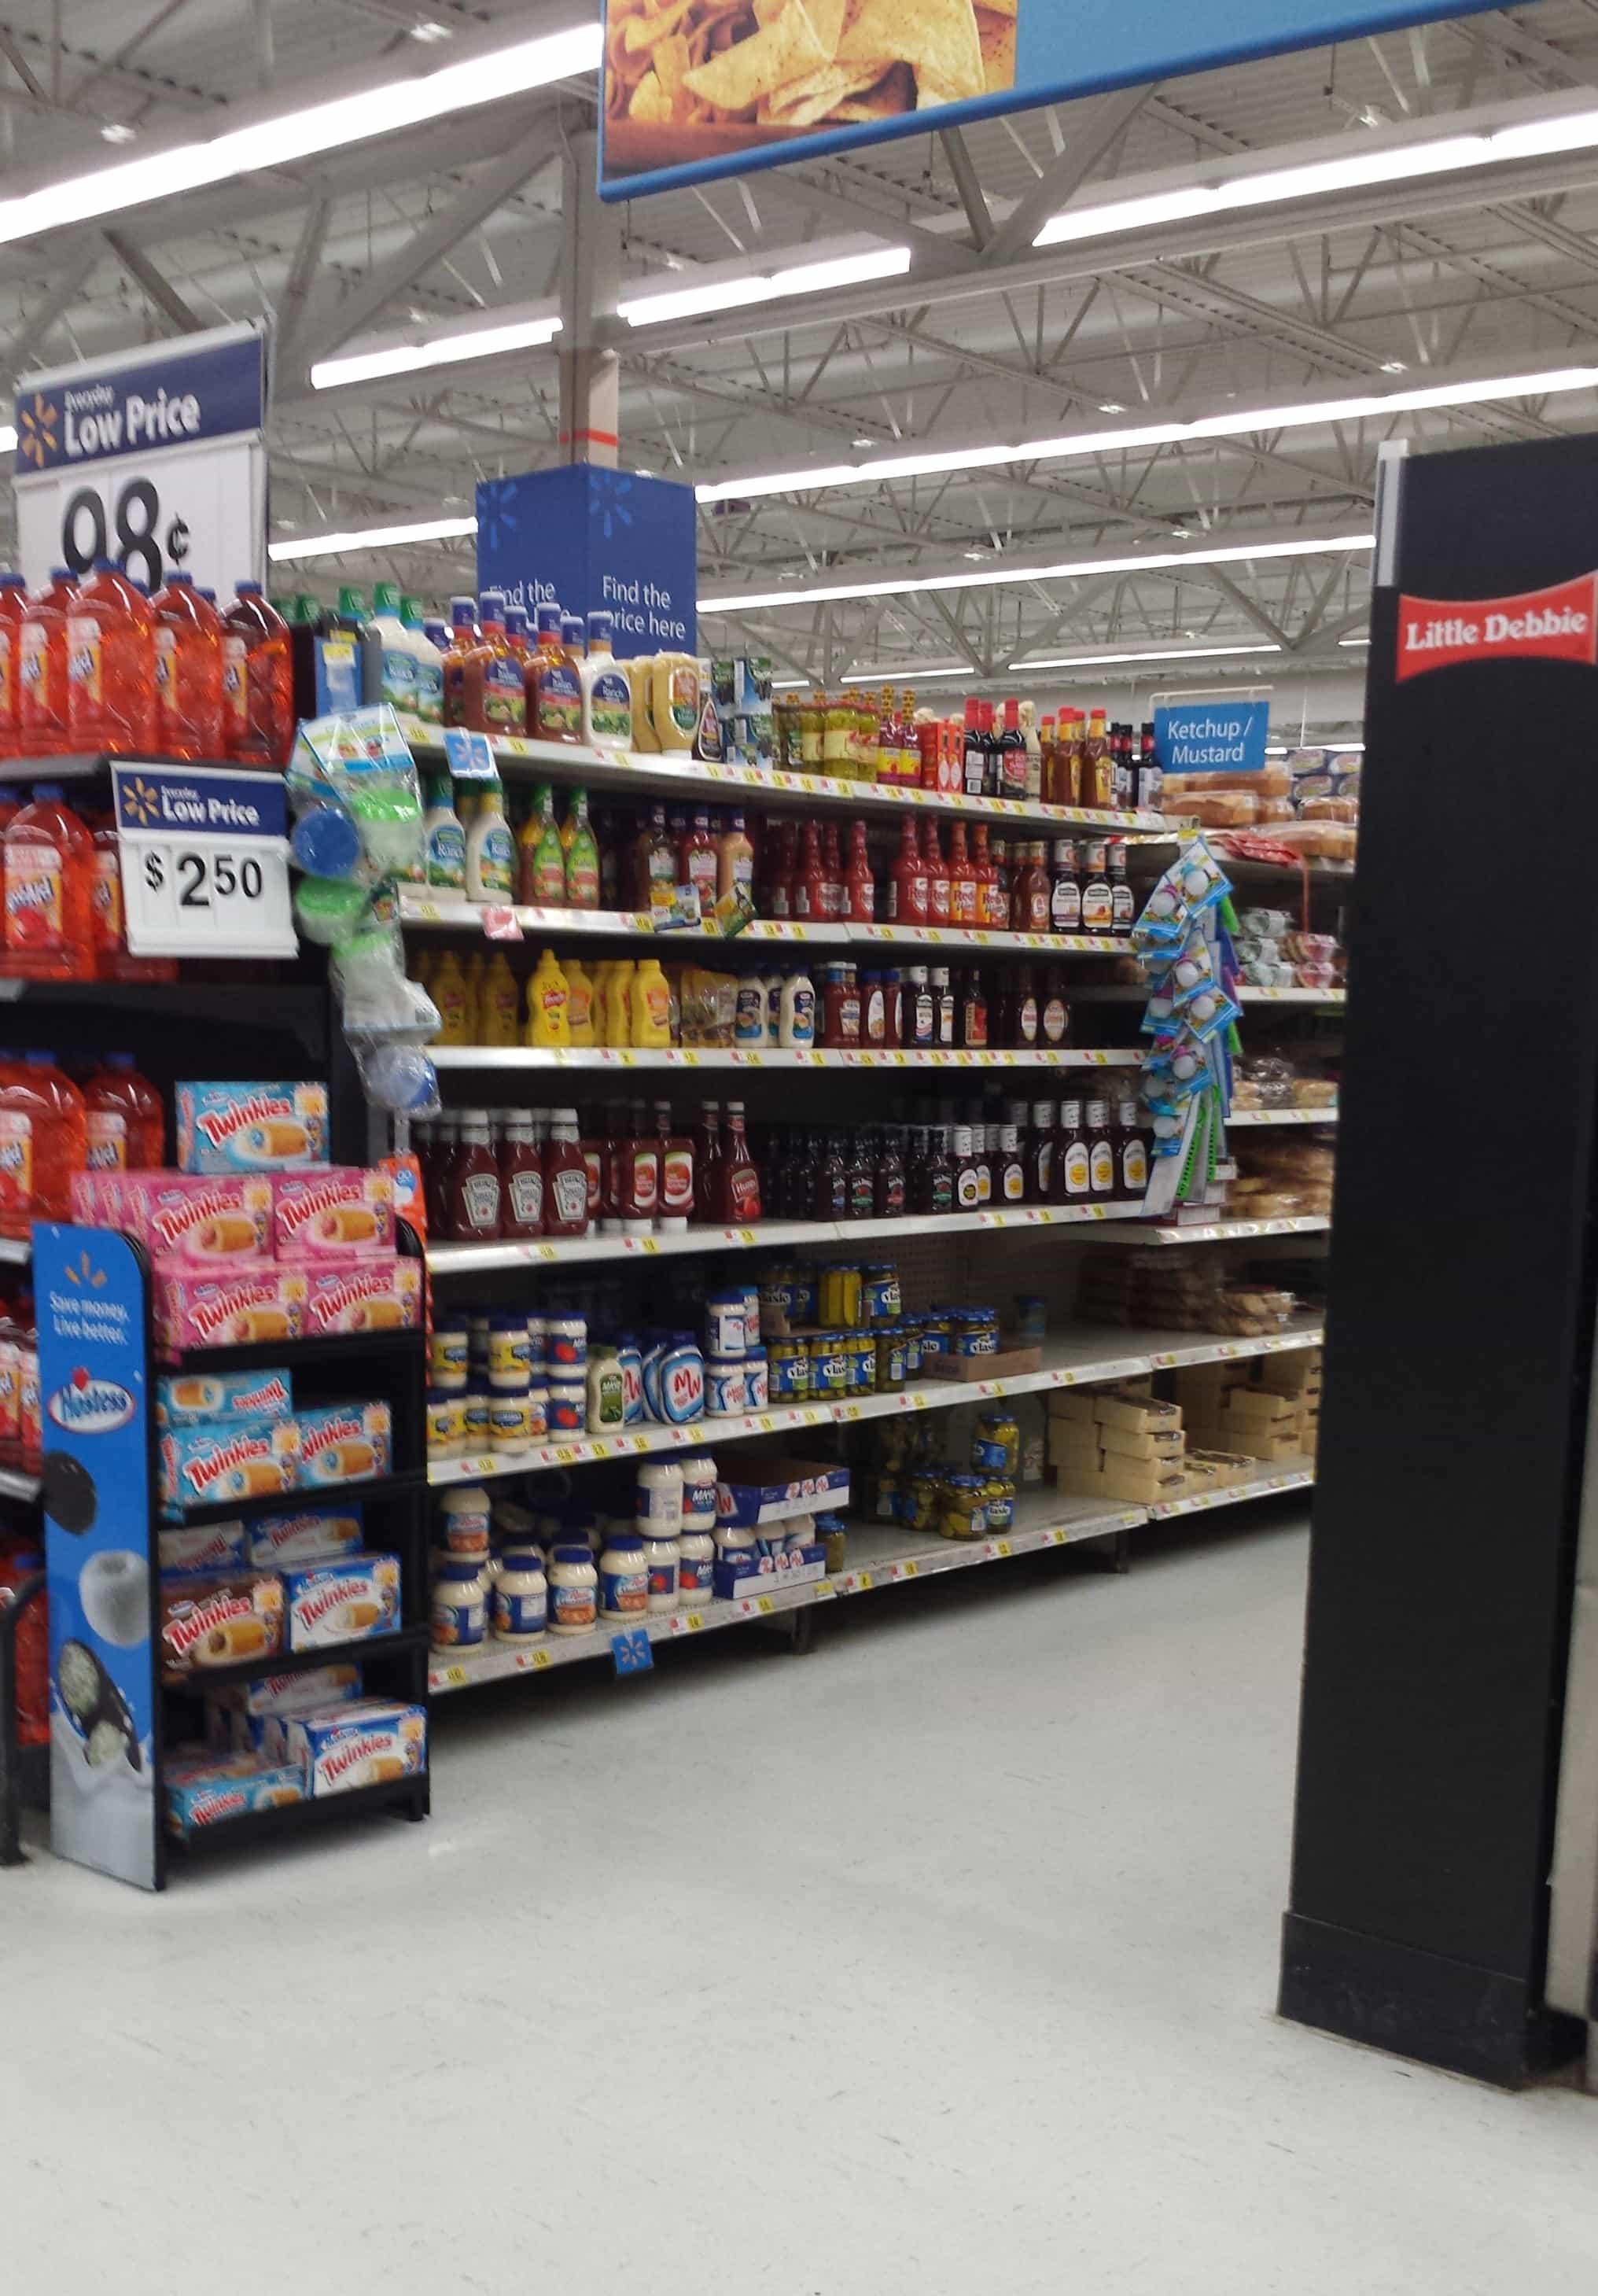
(425, 230)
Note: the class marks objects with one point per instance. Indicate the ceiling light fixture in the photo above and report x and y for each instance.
(8, 439)
(1110, 406)
(1393, 163)
(899, 673)
(117, 131)
(299, 134)
(371, 537)
(1013, 577)
(1548, 383)
(441, 350)
(651, 310)
(428, 32)
(1159, 653)
(1353, 642)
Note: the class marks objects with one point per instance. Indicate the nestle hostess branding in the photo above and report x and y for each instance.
(1559, 624)
(91, 1406)
(140, 406)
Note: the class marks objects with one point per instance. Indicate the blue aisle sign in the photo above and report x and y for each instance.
(692, 92)
(99, 1554)
(1211, 737)
(589, 538)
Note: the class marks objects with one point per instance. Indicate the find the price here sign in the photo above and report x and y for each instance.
(205, 862)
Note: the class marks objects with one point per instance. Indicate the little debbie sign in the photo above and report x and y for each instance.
(1212, 737)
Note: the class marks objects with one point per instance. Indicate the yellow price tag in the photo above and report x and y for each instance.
(541, 1658)
(454, 1676)
(1003, 1547)
(695, 1621)
(1057, 1535)
(648, 1243)
(863, 1582)
(763, 1603)
(767, 1423)
(909, 1570)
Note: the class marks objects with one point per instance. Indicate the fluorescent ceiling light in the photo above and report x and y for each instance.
(1001, 576)
(1354, 170)
(371, 537)
(1353, 642)
(441, 350)
(649, 310)
(903, 672)
(298, 135)
(1083, 445)
(8, 439)
(1163, 653)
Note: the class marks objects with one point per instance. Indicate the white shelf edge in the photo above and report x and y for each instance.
(446, 913)
(15, 1485)
(1250, 1117)
(1329, 999)
(15, 1250)
(1274, 1476)
(1222, 1231)
(480, 1057)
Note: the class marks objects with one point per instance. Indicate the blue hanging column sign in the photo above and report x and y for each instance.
(590, 539)
(89, 1289)
(1211, 737)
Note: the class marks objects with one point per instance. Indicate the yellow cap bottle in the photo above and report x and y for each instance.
(652, 1003)
(501, 1002)
(548, 1003)
(448, 988)
(598, 974)
(619, 1002)
(580, 1009)
(477, 967)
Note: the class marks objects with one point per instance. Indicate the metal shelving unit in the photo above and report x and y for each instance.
(600, 1057)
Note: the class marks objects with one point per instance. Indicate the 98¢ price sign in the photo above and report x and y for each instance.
(205, 862)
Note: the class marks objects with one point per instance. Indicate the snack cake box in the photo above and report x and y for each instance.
(312, 1535)
(183, 1219)
(369, 1295)
(238, 1459)
(786, 1486)
(342, 1602)
(201, 1546)
(314, 1686)
(251, 1128)
(242, 1310)
(206, 1789)
(344, 1443)
(324, 1688)
(360, 1745)
(219, 1618)
(343, 1215)
(200, 1399)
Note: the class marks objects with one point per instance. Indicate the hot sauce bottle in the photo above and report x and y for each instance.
(1004, 887)
(809, 882)
(1032, 903)
(963, 881)
(833, 895)
(938, 876)
(908, 883)
(738, 1180)
(988, 882)
(707, 1163)
(974, 1013)
(860, 888)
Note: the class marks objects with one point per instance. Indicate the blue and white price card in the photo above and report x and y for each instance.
(470, 755)
(205, 861)
(632, 1651)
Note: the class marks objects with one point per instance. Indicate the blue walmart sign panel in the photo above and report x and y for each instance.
(1212, 737)
(827, 76)
(593, 538)
(207, 389)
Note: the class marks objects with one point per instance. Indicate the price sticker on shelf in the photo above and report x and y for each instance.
(765, 1605)
(455, 1676)
(500, 924)
(204, 860)
(539, 1659)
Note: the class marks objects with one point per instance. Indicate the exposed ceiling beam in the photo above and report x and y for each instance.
(1105, 118)
(158, 290)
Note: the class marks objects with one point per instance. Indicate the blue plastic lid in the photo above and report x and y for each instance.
(118, 1059)
(570, 1555)
(549, 621)
(13, 582)
(62, 574)
(248, 589)
(181, 576)
(625, 1541)
(50, 789)
(105, 565)
(40, 1059)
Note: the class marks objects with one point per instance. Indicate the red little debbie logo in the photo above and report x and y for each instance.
(1555, 625)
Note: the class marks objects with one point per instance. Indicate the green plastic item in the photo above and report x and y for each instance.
(327, 909)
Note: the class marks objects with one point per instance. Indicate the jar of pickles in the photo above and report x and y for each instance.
(976, 1332)
(998, 1505)
(880, 1294)
(963, 1515)
(841, 1290)
(861, 1350)
(788, 1371)
(925, 1500)
(997, 1445)
(829, 1366)
(937, 1341)
(889, 1346)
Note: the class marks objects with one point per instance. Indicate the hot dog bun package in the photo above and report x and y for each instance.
(219, 1618)
(332, 1217)
(251, 1128)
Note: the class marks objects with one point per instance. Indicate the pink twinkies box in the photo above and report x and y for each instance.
(229, 1311)
(182, 1221)
(374, 1295)
(335, 1217)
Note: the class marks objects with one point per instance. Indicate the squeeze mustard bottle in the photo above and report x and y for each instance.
(447, 990)
(500, 1003)
(548, 1003)
(579, 1004)
(651, 1002)
(598, 978)
(619, 1002)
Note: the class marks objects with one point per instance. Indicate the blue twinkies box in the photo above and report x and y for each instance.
(196, 1398)
(208, 1789)
(251, 1128)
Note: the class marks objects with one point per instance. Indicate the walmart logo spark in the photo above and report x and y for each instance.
(141, 804)
(35, 431)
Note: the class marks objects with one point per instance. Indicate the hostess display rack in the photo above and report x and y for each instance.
(116, 1713)
(225, 1018)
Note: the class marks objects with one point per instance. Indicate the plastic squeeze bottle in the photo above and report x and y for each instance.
(652, 1003)
(542, 857)
(619, 1002)
(490, 850)
(607, 690)
(48, 872)
(446, 839)
(579, 1004)
(501, 1002)
(427, 658)
(548, 1003)
(447, 990)
(581, 849)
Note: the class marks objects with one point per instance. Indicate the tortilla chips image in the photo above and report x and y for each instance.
(692, 79)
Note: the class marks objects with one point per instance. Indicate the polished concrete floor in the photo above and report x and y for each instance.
(942, 1959)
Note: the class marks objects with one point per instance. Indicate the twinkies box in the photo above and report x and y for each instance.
(314, 1534)
(202, 1793)
(372, 1295)
(238, 1459)
(343, 1602)
(201, 1546)
(219, 1618)
(183, 1220)
(314, 1686)
(264, 1730)
(251, 1128)
(365, 1744)
(334, 1218)
(239, 1310)
(200, 1399)
(344, 1443)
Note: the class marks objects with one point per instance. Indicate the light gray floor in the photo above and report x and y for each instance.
(942, 1960)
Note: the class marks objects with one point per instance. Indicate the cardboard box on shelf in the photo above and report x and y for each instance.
(1151, 1483)
(1260, 1406)
(1298, 1372)
(1072, 1405)
(1127, 1443)
(1138, 1415)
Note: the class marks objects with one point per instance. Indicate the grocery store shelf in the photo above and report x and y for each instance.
(483, 1258)
(649, 777)
(1222, 1231)
(201, 1681)
(1325, 999)
(1253, 1116)
(15, 1485)
(878, 1555)
(446, 913)
(1074, 1359)
(770, 1057)
(254, 1826)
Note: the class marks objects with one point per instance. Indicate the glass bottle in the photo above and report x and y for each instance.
(655, 867)
(1032, 902)
(707, 1163)
(1098, 902)
(891, 1178)
(1132, 1152)
(1040, 1152)
(967, 1185)
(973, 1012)
(973, 764)
(1054, 1013)
(1101, 1149)
(1072, 1178)
(988, 882)
(495, 691)
(737, 1179)
(541, 862)
(919, 1021)
(1003, 886)
(937, 1179)
(810, 880)
(696, 861)
(1010, 1176)
(943, 1007)
(830, 1201)
(580, 851)
(860, 890)
(1024, 1021)
(1065, 892)
(832, 875)
(1123, 908)
(907, 882)
(963, 882)
(938, 876)
(1013, 752)
(860, 1177)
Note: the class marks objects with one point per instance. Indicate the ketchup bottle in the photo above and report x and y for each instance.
(521, 1179)
(707, 1164)
(780, 887)
(473, 1207)
(738, 1178)
(832, 894)
(860, 889)
(565, 1177)
(938, 877)
(907, 890)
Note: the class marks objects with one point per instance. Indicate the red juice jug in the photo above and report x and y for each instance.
(260, 729)
(13, 605)
(47, 860)
(108, 923)
(188, 671)
(110, 665)
(44, 1140)
(116, 1088)
(42, 670)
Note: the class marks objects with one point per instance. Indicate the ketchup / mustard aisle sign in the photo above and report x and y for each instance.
(1559, 624)
(153, 457)
(93, 1394)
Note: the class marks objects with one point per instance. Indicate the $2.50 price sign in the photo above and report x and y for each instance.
(205, 862)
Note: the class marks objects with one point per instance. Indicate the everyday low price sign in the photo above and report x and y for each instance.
(153, 458)
(1211, 737)
(205, 862)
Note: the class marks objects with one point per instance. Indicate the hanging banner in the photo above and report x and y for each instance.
(89, 1291)
(707, 89)
(585, 537)
(153, 457)
(1211, 737)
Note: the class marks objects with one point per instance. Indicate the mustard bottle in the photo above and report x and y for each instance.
(619, 1002)
(652, 1003)
(548, 1005)
(598, 975)
(447, 990)
(500, 1003)
(476, 966)
(579, 1006)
